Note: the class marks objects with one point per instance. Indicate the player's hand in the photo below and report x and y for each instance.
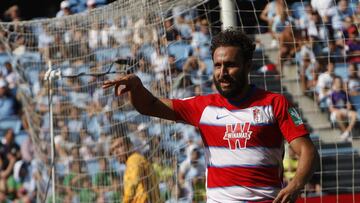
(123, 84)
(288, 194)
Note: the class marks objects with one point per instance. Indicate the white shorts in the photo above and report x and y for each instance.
(333, 114)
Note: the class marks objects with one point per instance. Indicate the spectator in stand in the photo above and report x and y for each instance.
(7, 103)
(318, 32)
(190, 170)
(159, 61)
(272, 9)
(196, 69)
(72, 180)
(324, 83)
(19, 46)
(170, 30)
(202, 36)
(64, 9)
(353, 83)
(27, 149)
(120, 31)
(103, 179)
(22, 179)
(339, 15)
(281, 21)
(91, 4)
(10, 153)
(87, 193)
(6, 177)
(289, 43)
(115, 193)
(13, 14)
(94, 36)
(334, 50)
(183, 86)
(8, 144)
(87, 150)
(11, 78)
(341, 109)
(183, 27)
(305, 50)
(353, 45)
(7, 162)
(304, 20)
(307, 74)
(144, 34)
(356, 15)
(322, 7)
(45, 39)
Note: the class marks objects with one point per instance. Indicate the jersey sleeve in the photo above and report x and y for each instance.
(289, 120)
(188, 110)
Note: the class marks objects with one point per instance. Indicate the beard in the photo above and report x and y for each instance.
(235, 88)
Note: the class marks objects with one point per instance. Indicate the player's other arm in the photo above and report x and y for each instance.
(307, 164)
(141, 98)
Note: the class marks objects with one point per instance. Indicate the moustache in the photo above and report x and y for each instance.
(226, 79)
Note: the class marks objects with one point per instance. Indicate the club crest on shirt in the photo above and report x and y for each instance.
(237, 135)
(295, 116)
(257, 115)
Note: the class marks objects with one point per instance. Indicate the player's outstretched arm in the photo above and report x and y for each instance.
(308, 161)
(141, 98)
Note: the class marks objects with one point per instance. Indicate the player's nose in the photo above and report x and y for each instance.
(223, 71)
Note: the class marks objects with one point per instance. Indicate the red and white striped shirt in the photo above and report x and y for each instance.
(243, 142)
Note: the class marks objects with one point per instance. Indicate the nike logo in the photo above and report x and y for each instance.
(220, 117)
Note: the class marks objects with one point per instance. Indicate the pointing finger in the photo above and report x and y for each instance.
(110, 83)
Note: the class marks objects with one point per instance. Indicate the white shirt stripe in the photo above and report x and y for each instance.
(250, 156)
(234, 193)
(217, 116)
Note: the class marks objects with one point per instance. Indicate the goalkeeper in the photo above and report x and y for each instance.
(243, 127)
(140, 182)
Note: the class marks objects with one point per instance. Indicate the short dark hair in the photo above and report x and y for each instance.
(237, 38)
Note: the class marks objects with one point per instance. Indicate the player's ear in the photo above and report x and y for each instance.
(247, 66)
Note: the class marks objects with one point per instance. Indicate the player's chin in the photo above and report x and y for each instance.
(228, 93)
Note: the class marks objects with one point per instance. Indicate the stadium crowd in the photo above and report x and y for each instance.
(326, 48)
(324, 45)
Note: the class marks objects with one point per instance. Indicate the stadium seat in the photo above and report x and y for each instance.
(92, 166)
(31, 56)
(341, 70)
(343, 159)
(355, 101)
(125, 51)
(146, 51)
(12, 122)
(60, 169)
(4, 57)
(204, 52)
(21, 137)
(106, 54)
(298, 9)
(209, 66)
(181, 50)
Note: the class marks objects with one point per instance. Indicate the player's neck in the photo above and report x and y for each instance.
(244, 93)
